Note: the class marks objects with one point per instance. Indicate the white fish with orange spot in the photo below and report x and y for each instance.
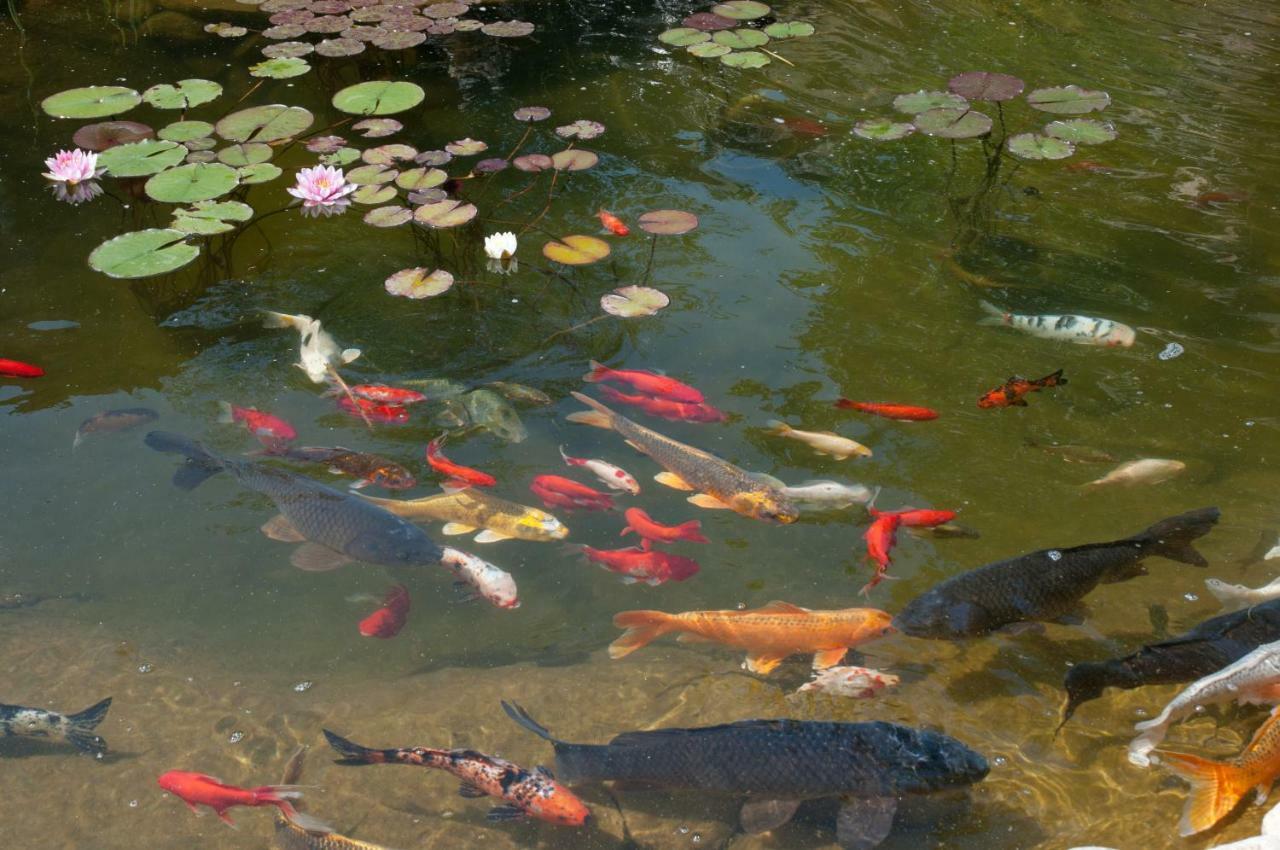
(613, 477)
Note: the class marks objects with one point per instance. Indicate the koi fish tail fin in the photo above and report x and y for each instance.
(272, 319)
(1216, 789)
(280, 797)
(305, 822)
(692, 531)
(1172, 537)
(201, 463)
(80, 728)
(995, 316)
(598, 416)
(1054, 380)
(643, 628)
(353, 753)
(517, 713)
(598, 372)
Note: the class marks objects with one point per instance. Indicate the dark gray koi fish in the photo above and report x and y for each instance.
(76, 729)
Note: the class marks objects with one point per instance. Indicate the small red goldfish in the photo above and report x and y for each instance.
(612, 223)
(389, 619)
(459, 476)
(196, 789)
(271, 431)
(881, 537)
(558, 492)
(800, 126)
(651, 532)
(374, 410)
(387, 395)
(613, 477)
(1011, 392)
(889, 410)
(18, 369)
(917, 518)
(650, 566)
(677, 411)
(649, 383)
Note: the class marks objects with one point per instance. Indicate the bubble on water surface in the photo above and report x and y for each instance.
(235, 737)
(999, 761)
(1054, 555)
(1191, 597)
(145, 668)
(682, 829)
(302, 687)
(133, 804)
(1171, 351)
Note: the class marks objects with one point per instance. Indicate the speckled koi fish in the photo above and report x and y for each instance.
(1084, 330)
(18, 721)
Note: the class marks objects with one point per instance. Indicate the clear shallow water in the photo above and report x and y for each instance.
(818, 270)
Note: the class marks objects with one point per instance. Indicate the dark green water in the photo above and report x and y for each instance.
(821, 267)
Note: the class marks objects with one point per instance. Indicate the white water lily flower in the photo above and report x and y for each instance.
(500, 246)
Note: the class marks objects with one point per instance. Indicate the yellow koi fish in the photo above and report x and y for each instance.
(467, 510)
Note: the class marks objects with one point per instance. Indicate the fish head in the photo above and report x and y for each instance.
(877, 623)
(393, 477)
(402, 547)
(543, 523)
(556, 804)
(765, 505)
(1121, 336)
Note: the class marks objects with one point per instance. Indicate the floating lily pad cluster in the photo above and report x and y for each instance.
(951, 114)
(735, 32)
(348, 27)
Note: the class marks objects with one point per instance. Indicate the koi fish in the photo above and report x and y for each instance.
(387, 395)
(1236, 596)
(881, 537)
(489, 410)
(719, 484)
(769, 634)
(612, 223)
(374, 410)
(458, 476)
(18, 369)
(490, 582)
(1148, 470)
(1079, 329)
(851, 682)
(828, 494)
(527, 793)
(906, 412)
(390, 618)
(290, 836)
(366, 467)
(648, 565)
(1087, 165)
(197, 789)
(613, 477)
(110, 421)
(822, 442)
(677, 411)
(651, 532)
(917, 518)
(520, 392)
(649, 383)
(467, 510)
(18, 721)
(319, 355)
(1011, 392)
(271, 431)
(558, 492)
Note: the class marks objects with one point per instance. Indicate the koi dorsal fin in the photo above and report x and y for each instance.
(779, 607)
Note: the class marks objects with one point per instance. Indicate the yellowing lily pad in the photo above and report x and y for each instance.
(573, 159)
(393, 216)
(1068, 100)
(668, 222)
(746, 59)
(741, 10)
(442, 214)
(629, 302)
(419, 283)
(683, 36)
(576, 250)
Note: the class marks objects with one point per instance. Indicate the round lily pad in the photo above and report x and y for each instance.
(707, 22)
(143, 253)
(1081, 131)
(374, 128)
(985, 86)
(327, 24)
(882, 130)
(208, 218)
(490, 166)
(108, 134)
(742, 39)
(427, 196)
(265, 123)
(433, 158)
(186, 131)
(741, 10)
(260, 173)
(789, 29)
(533, 162)
(225, 30)
(507, 29)
(373, 193)
(397, 39)
(419, 283)
(202, 156)
(388, 216)
(139, 159)
(91, 102)
(238, 156)
(629, 302)
(325, 144)
(1036, 146)
(337, 47)
(204, 143)
(573, 159)
(280, 69)
(417, 179)
(949, 123)
(286, 49)
(708, 50)
(379, 97)
(923, 101)
(445, 10)
(746, 59)
(285, 31)
(467, 25)
(194, 182)
(447, 213)
(342, 156)
(466, 147)
(371, 175)
(668, 222)
(576, 250)
(184, 95)
(388, 154)
(1068, 100)
(532, 113)
(581, 129)
(684, 36)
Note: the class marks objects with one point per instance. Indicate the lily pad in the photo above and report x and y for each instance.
(426, 196)
(286, 49)
(379, 97)
(202, 156)
(508, 29)
(373, 193)
(375, 128)
(467, 25)
(337, 47)
(668, 222)
(265, 123)
(1036, 146)
(708, 50)
(746, 59)
(139, 159)
(684, 36)
(923, 101)
(533, 162)
(204, 143)
(91, 102)
(327, 24)
(1081, 131)
(950, 123)
(207, 219)
(367, 175)
(187, 184)
(707, 22)
(433, 158)
(388, 216)
(630, 302)
(342, 156)
(419, 283)
(573, 159)
(789, 29)
(417, 179)
(743, 39)
(490, 166)
(741, 10)
(397, 39)
(186, 131)
(280, 69)
(576, 250)
(238, 156)
(285, 31)
(108, 134)
(143, 253)
(466, 147)
(226, 30)
(442, 214)
(445, 10)
(581, 129)
(1068, 100)
(325, 144)
(986, 86)
(186, 94)
(532, 113)
(882, 130)
(389, 154)
(260, 173)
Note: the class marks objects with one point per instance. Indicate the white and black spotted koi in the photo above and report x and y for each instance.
(1080, 329)
(528, 793)
(75, 729)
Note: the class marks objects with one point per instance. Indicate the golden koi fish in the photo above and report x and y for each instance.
(466, 510)
(291, 836)
(719, 483)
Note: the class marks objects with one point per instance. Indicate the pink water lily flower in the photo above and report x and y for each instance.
(72, 167)
(322, 187)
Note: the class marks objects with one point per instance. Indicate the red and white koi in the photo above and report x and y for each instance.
(490, 582)
(613, 477)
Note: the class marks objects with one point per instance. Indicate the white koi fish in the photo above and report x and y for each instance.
(828, 494)
(1236, 596)
(852, 682)
(611, 476)
(492, 583)
(823, 442)
(320, 355)
(1148, 470)
(1084, 330)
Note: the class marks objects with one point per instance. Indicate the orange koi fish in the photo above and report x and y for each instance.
(459, 476)
(613, 224)
(889, 410)
(1011, 392)
(389, 619)
(196, 789)
(649, 383)
(881, 538)
(652, 532)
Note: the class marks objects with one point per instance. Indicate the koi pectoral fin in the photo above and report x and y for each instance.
(711, 503)
(470, 791)
(863, 824)
(314, 558)
(279, 528)
(828, 658)
(670, 479)
(763, 815)
(763, 663)
(505, 813)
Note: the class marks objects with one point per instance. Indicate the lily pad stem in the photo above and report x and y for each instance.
(653, 248)
(578, 326)
(776, 56)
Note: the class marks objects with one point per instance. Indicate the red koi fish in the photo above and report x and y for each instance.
(527, 793)
(387, 395)
(374, 410)
(881, 537)
(271, 431)
(890, 411)
(388, 620)
(677, 411)
(459, 477)
(917, 518)
(558, 492)
(612, 223)
(196, 789)
(649, 383)
(18, 369)
(801, 126)
(1011, 392)
(613, 477)
(651, 566)
(651, 532)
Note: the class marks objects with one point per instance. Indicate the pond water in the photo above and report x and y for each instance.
(823, 265)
